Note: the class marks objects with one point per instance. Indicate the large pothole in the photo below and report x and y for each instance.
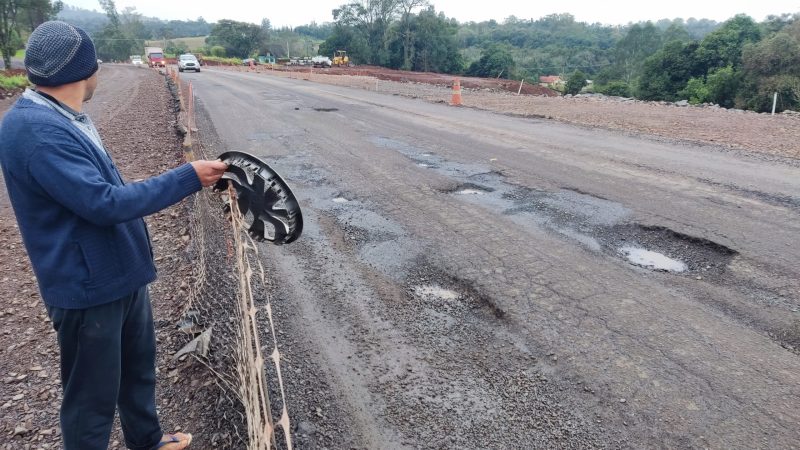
(661, 248)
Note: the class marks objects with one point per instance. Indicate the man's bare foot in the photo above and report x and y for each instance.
(176, 441)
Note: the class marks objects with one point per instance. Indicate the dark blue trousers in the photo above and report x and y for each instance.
(108, 355)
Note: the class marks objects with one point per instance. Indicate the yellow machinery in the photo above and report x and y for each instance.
(341, 58)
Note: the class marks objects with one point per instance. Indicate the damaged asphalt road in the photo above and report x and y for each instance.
(471, 280)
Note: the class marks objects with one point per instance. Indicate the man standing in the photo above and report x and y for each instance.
(83, 229)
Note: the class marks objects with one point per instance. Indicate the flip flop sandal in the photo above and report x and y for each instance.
(173, 440)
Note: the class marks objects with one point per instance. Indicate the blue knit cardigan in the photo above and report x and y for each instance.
(81, 223)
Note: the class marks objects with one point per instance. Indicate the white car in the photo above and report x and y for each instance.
(188, 62)
(136, 60)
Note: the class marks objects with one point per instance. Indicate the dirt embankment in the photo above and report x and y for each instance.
(135, 115)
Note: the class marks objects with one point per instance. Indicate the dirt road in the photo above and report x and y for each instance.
(464, 277)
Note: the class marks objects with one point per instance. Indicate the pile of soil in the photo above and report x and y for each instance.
(436, 79)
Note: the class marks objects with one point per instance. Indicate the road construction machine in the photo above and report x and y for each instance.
(341, 58)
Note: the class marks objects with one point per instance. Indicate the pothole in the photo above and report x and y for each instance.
(434, 292)
(469, 189)
(653, 260)
(663, 249)
(441, 293)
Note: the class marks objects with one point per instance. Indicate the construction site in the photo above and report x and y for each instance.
(483, 264)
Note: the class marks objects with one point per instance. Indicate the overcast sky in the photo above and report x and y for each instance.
(613, 12)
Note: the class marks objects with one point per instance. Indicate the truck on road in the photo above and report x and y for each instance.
(155, 57)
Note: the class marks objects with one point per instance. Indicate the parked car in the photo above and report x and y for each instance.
(188, 62)
(136, 60)
(247, 61)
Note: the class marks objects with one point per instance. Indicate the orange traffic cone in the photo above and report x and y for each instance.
(456, 101)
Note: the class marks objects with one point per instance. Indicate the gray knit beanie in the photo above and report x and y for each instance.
(59, 53)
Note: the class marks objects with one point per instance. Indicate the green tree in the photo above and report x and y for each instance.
(630, 52)
(17, 16)
(575, 82)
(240, 39)
(617, 88)
(769, 66)
(676, 32)
(723, 47)
(371, 21)
(695, 91)
(218, 51)
(776, 55)
(176, 48)
(762, 90)
(496, 62)
(9, 31)
(433, 44)
(348, 38)
(35, 12)
(407, 7)
(668, 71)
(723, 85)
(118, 39)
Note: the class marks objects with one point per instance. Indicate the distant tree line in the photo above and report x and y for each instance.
(94, 21)
(407, 34)
(741, 64)
(738, 63)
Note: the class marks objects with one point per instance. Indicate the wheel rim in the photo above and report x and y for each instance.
(270, 210)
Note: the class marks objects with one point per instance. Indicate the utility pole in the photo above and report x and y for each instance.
(774, 103)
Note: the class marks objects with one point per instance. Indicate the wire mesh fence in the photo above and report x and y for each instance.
(228, 313)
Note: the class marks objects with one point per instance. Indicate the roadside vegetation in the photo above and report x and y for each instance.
(223, 61)
(739, 63)
(17, 19)
(10, 82)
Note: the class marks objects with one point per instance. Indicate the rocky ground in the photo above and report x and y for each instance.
(135, 114)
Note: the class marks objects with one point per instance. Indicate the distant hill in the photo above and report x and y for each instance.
(93, 21)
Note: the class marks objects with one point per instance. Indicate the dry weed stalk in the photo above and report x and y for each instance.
(253, 387)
